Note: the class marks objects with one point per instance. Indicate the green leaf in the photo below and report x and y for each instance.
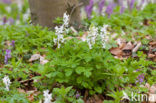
(68, 89)
(79, 70)
(79, 80)
(85, 84)
(98, 89)
(68, 73)
(87, 74)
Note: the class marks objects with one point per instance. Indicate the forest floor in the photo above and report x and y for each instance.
(110, 59)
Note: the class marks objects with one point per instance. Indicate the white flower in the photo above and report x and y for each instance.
(8, 9)
(92, 34)
(60, 37)
(104, 29)
(47, 96)
(59, 30)
(17, 22)
(26, 15)
(104, 35)
(7, 82)
(66, 20)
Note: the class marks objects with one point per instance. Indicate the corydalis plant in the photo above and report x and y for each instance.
(131, 4)
(110, 8)
(104, 35)
(13, 43)
(7, 56)
(6, 1)
(89, 8)
(7, 82)
(60, 30)
(101, 5)
(140, 79)
(47, 96)
(92, 34)
(65, 20)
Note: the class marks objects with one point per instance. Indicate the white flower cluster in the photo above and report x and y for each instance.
(7, 82)
(47, 96)
(65, 20)
(104, 35)
(60, 30)
(92, 35)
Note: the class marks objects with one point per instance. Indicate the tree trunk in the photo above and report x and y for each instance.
(44, 12)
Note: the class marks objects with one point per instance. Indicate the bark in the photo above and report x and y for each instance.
(85, 2)
(44, 12)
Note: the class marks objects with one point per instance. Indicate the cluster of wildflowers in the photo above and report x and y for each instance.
(7, 82)
(7, 56)
(8, 52)
(140, 79)
(92, 35)
(104, 35)
(101, 5)
(8, 21)
(131, 4)
(65, 20)
(110, 8)
(7, 1)
(60, 30)
(111, 5)
(47, 96)
(89, 8)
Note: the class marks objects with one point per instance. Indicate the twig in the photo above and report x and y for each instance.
(137, 47)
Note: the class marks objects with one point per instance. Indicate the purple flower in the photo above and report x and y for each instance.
(77, 95)
(11, 21)
(120, 2)
(137, 70)
(101, 5)
(13, 43)
(122, 9)
(6, 1)
(131, 4)
(6, 60)
(7, 56)
(140, 78)
(89, 8)
(110, 8)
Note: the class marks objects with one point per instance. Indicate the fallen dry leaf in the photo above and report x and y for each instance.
(121, 42)
(147, 85)
(128, 46)
(116, 51)
(38, 56)
(153, 43)
(151, 55)
(34, 57)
